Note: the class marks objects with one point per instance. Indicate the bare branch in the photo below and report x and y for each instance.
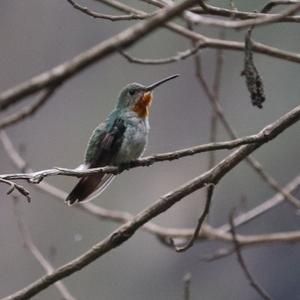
(243, 265)
(207, 232)
(243, 15)
(231, 132)
(161, 61)
(216, 94)
(187, 286)
(70, 68)
(124, 232)
(266, 19)
(97, 15)
(38, 176)
(278, 198)
(19, 188)
(29, 244)
(190, 243)
(122, 40)
(28, 110)
(269, 5)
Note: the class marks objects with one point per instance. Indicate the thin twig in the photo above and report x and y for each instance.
(30, 245)
(28, 110)
(220, 253)
(271, 4)
(216, 92)
(122, 40)
(37, 177)
(187, 286)
(163, 233)
(19, 188)
(243, 265)
(278, 198)
(80, 62)
(124, 232)
(231, 132)
(97, 15)
(190, 243)
(161, 61)
(243, 15)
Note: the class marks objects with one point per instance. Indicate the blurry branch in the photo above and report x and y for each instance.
(262, 137)
(163, 233)
(216, 93)
(19, 188)
(207, 42)
(218, 110)
(29, 244)
(262, 18)
(124, 232)
(265, 19)
(124, 39)
(264, 207)
(269, 5)
(190, 243)
(160, 61)
(77, 64)
(220, 253)
(243, 265)
(97, 15)
(265, 135)
(28, 110)
(187, 278)
(224, 12)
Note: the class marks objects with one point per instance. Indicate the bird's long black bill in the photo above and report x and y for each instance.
(156, 84)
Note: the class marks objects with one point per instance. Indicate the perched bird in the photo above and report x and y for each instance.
(120, 139)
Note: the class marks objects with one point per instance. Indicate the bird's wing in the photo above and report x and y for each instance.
(103, 147)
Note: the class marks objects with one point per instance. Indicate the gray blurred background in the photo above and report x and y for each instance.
(38, 35)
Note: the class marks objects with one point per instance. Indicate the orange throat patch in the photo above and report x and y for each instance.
(143, 105)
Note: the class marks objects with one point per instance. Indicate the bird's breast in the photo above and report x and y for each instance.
(134, 140)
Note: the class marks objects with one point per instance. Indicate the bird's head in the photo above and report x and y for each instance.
(138, 98)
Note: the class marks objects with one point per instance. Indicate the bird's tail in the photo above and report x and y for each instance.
(89, 187)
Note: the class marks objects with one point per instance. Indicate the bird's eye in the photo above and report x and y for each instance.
(131, 92)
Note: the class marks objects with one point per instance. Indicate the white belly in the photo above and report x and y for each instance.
(134, 141)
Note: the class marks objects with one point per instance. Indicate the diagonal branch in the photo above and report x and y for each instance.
(97, 15)
(207, 232)
(265, 19)
(70, 68)
(243, 15)
(28, 110)
(38, 176)
(278, 198)
(124, 232)
(29, 244)
(243, 265)
(215, 104)
(19, 188)
(190, 243)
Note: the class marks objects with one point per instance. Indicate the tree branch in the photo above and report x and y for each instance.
(124, 232)
(243, 265)
(207, 232)
(29, 244)
(243, 15)
(70, 68)
(19, 188)
(37, 177)
(190, 243)
(265, 19)
(97, 15)
(28, 110)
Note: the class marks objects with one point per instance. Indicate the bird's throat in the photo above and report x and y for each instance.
(143, 105)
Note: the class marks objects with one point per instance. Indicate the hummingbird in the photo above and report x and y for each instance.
(121, 138)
